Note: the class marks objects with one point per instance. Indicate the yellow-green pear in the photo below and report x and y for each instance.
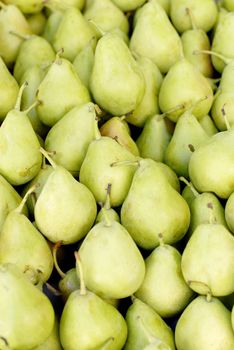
(228, 4)
(33, 319)
(37, 22)
(59, 92)
(170, 175)
(83, 63)
(165, 4)
(114, 65)
(62, 5)
(155, 37)
(185, 85)
(53, 341)
(128, 5)
(27, 6)
(229, 209)
(51, 25)
(204, 325)
(154, 207)
(204, 12)
(208, 125)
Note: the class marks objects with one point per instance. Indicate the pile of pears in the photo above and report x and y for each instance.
(116, 175)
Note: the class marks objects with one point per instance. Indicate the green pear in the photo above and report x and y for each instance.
(155, 37)
(149, 103)
(187, 137)
(100, 167)
(208, 125)
(11, 20)
(57, 220)
(208, 260)
(165, 4)
(27, 6)
(69, 283)
(154, 207)
(33, 319)
(19, 147)
(106, 207)
(117, 128)
(8, 90)
(35, 50)
(189, 195)
(116, 97)
(56, 100)
(144, 324)
(37, 22)
(205, 171)
(229, 212)
(163, 274)
(204, 12)
(51, 25)
(53, 341)
(73, 33)
(83, 63)
(170, 175)
(69, 148)
(228, 4)
(204, 325)
(128, 5)
(184, 84)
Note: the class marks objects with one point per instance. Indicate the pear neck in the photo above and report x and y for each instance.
(83, 290)
(177, 108)
(54, 252)
(161, 240)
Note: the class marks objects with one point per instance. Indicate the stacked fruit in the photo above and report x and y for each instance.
(116, 166)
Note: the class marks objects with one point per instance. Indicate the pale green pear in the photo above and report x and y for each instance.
(204, 325)
(204, 12)
(163, 274)
(19, 147)
(27, 6)
(189, 195)
(154, 207)
(208, 260)
(60, 91)
(208, 125)
(37, 22)
(69, 148)
(229, 208)
(100, 167)
(69, 283)
(8, 90)
(187, 137)
(228, 4)
(149, 103)
(51, 25)
(33, 319)
(83, 63)
(56, 208)
(117, 128)
(155, 37)
(109, 90)
(170, 175)
(128, 5)
(205, 171)
(165, 4)
(11, 20)
(35, 50)
(53, 341)
(73, 33)
(184, 84)
(144, 324)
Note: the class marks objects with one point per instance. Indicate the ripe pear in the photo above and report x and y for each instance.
(128, 5)
(208, 125)
(154, 207)
(56, 100)
(155, 37)
(229, 212)
(208, 260)
(53, 341)
(165, 4)
(69, 148)
(37, 22)
(145, 325)
(27, 6)
(204, 325)
(57, 220)
(51, 25)
(228, 4)
(184, 84)
(83, 63)
(205, 13)
(170, 175)
(30, 325)
(109, 90)
(8, 90)
(104, 163)
(61, 5)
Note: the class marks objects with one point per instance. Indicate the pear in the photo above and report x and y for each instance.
(61, 5)
(35, 50)
(187, 137)
(57, 220)
(229, 212)
(73, 33)
(23, 245)
(83, 63)
(55, 99)
(106, 207)
(173, 92)
(208, 125)
(228, 4)
(106, 15)
(30, 325)
(170, 175)
(95, 322)
(208, 260)
(53, 341)
(20, 157)
(69, 148)
(11, 20)
(37, 22)
(110, 90)
(117, 128)
(103, 165)
(8, 90)
(155, 37)
(154, 207)
(163, 274)
(128, 5)
(149, 103)
(51, 25)
(213, 326)
(27, 6)
(165, 4)
(69, 283)
(205, 13)
(145, 325)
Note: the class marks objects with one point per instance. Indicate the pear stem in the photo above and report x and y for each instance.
(19, 97)
(46, 155)
(190, 185)
(126, 162)
(226, 60)
(161, 241)
(107, 202)
(20, 36)
(54, 252)
(209, 297)
(97, 134)
(97, 109)
(123, 117)
(172, 110)
(4, 343)
(107, 220)
(83, 290)
(25, 198)
(33, 105)
(225, 118)
(192, 19)
(58, 56)
(53, 290)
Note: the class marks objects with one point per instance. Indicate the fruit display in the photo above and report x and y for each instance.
(116, 175)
